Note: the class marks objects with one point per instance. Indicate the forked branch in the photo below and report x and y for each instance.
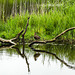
(12, 41)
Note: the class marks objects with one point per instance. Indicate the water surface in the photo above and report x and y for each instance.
(13, 7)
(51, 59)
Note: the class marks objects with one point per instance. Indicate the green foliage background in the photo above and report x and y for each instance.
(46, 24)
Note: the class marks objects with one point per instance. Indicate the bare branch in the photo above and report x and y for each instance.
(64, 32)
(17, 37)
(26, 26)
(53, 40)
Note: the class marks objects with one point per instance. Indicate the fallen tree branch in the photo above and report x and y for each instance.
(12, 41)
(53, 40)
(17, 37)
(64, 32)
(7, 41)
(60, 34)
(25, 30)
(26, 26)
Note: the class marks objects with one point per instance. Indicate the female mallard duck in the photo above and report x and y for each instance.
(36, 37)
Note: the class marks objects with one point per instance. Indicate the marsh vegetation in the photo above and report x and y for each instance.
(47, 17)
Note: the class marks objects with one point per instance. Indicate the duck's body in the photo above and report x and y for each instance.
(36, 37)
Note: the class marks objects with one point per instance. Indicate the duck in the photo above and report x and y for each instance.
(36, 37)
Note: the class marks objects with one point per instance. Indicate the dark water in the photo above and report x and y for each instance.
(50, 59)
(13, 7)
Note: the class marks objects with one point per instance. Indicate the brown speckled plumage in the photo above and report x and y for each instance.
(36, 37)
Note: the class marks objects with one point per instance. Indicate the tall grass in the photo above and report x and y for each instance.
(47, 25)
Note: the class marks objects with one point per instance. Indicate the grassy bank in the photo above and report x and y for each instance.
(47, 25)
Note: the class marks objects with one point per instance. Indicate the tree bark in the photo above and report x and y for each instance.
(52, 40)
(12, 41)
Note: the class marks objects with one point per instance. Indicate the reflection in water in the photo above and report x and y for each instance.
(23, 56)
(44, 51)
(36, 56)
(12, 7)
(38, 53)
(19, 52)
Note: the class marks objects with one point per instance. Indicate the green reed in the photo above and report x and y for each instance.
(47, 24)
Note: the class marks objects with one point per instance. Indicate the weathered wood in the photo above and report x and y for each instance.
(64, 32)
(52, 40)
(12, 41)
(41, 42)
(7, 41)
(17, 37)
(25, 30)
(26, 27)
